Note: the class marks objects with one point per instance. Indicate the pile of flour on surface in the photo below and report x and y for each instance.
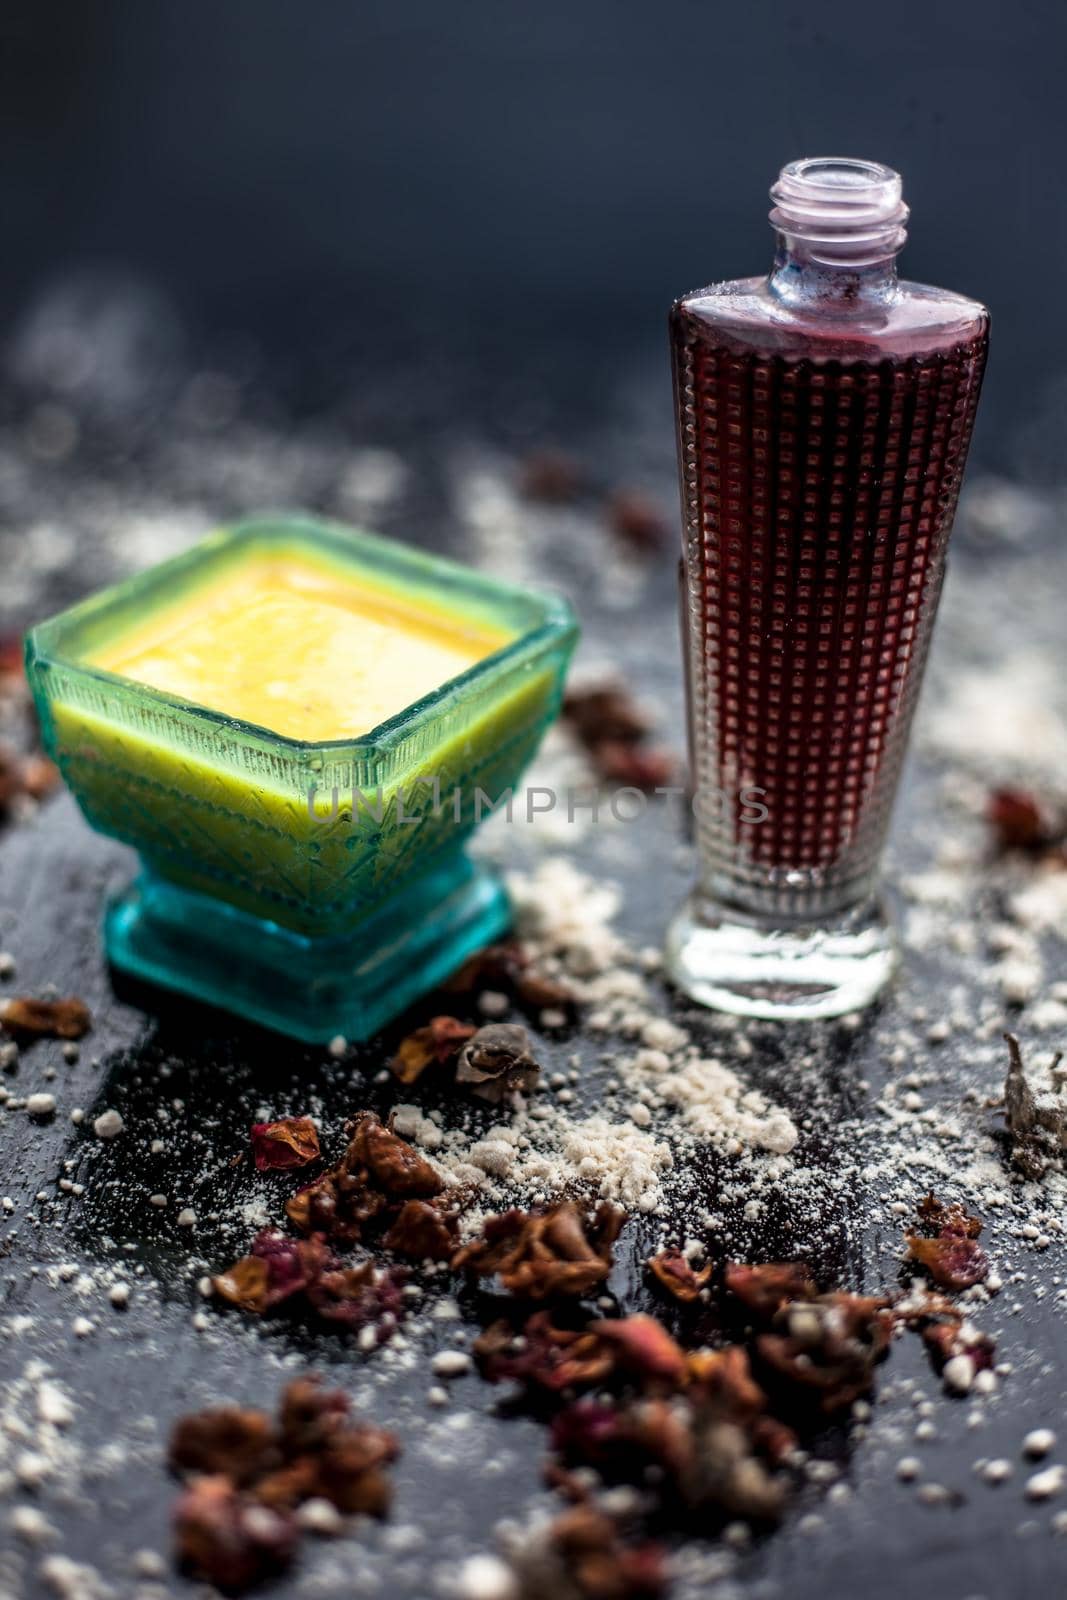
(671, 1099)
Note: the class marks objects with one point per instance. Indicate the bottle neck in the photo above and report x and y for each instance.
(798, 277)
(839, 225)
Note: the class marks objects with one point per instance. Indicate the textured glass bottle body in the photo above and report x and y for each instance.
(823, 427)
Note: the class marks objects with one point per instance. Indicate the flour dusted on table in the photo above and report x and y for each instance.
(672, 1098)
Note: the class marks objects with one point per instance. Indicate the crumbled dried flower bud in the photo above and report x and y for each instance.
(675, 1273)
(239, 1443)
(952, 1256)
(422, 1231)
(25, 1018)
(1020, 821)
(236, 1525)
(439, 1041)
(280, 1268)
(497, 1061)
(550, 476)
(544, 1356)
(765, 1289)
(634, 766)
(39, 777)
(605, 711)
(228, 1538)
(339, 1204)
(1037, 1124)
(940, 1219)
(583, 1556)
(955, 1262)
(638, 520)
(612, 727)
(497, 966)
(360, 1297)
(289, 1142)
(395, 1166)
(832, 1350)
(538, 1255)
(505, 969)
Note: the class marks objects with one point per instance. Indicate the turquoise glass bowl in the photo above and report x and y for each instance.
(317, 887)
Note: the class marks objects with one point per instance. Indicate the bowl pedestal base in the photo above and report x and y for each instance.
(309, 988)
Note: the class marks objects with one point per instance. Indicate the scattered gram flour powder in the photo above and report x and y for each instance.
(672, 1097)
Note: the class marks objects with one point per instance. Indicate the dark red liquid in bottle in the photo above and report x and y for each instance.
(824, 415)
(826, 490)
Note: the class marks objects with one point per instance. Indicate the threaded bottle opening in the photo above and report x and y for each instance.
(842, 211)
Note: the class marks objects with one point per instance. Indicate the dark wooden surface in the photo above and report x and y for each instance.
(194, 1079)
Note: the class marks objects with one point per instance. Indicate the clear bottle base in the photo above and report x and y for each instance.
(752, 970)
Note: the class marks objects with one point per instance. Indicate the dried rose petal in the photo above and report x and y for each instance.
(359, 1297)
(944, 1338)
(350, 1471)
(244, 1285)
(240, 1443)
(438, 1041)
(422, 1231)
(955, 1261)
(674, 1272)
(952, 1258)
(1037, 1125)
(838, 1386)
(591, 1432)
(38, 776)
(339, 1205)
(638, 520)
(536, 992)
(394, 1165)
(724, 1378)
(506, 968)
(764, 1289)
(597, 1564)
(497, 1061)
(645, 1348)
(292, 1264)
(236, 1526)
(551, 476)
(1018, 820)
(12, 653)
(309, 1414)
(10, 778)
(624, 1441)
(605, 711)
(940, 1219)
(541, 1254)
(832, 1346)
(226, 1537)
(544, 1356)
(498, 966)
(25, 1018)
(276, 1268)
(724, 1473)
(340, 1457)
(377, 1169)
(612, 727)
(634, 766)
(290, 1142)
(772, 1439)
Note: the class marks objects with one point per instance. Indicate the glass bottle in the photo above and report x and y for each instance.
(824, 414)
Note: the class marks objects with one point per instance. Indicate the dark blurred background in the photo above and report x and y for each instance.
(508, 178)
